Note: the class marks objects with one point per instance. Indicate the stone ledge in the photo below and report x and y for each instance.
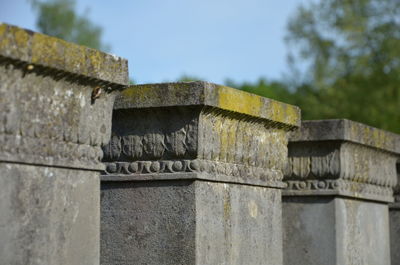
(347, 130)
(35, 50)
(211, 95)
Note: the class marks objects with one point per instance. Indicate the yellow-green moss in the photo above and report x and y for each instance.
(239, 101)
(21, 37)
(36, 48)
(140, 93)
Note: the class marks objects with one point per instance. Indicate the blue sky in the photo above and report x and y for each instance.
(242, 40)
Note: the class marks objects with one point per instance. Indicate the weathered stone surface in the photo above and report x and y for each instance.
(48, 215)
(395, 234)
(190, 222)
(56, 101)
(340, 177)
(238, 224)
(347, 130)
(212, 95)
(394, 211)
(193, 175)
(332, 230)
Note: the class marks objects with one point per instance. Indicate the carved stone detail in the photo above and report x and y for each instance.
(46, 151)
(192, 132)
(341, 160)
(153, 134)
(246, 174)
(339, 187)
(346, 167)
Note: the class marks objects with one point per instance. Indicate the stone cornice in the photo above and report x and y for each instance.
(347, 130)
(210, 95)
(41, 53)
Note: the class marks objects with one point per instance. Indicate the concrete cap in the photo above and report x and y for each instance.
(347, 130)
(35, 49)
(208, 94)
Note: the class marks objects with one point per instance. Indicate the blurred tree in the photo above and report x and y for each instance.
(352, 49)
(59, 19)
(189, 78)
(274, 89)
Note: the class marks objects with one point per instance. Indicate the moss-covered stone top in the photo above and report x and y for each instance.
(42, 50)
(346, 130)
(208, 94)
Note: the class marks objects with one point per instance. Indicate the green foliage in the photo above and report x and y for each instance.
(189, 78)
(59, 19)
(275, 90)
(351, 50)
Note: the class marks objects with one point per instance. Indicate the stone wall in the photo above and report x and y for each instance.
(192, 173)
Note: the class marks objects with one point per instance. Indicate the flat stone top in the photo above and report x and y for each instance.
(42, 50)
(346, 130)
(208, 94)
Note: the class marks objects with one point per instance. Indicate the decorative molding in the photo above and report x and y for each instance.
(340, 168)
(217, 171)
(341, 160)
(195, 133)
(153, 134)
(308, 160)
(46, 151)
(338, 187)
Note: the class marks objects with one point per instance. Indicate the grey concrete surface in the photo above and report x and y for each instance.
(48, 215)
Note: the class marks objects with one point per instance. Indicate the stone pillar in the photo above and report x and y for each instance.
(56, 105)
(194, 176)
(340, 178)
(394, 214)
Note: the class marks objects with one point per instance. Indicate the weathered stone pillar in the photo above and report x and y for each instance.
(194, 176)
(394, 214)
(340, 179)
(56, 107)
